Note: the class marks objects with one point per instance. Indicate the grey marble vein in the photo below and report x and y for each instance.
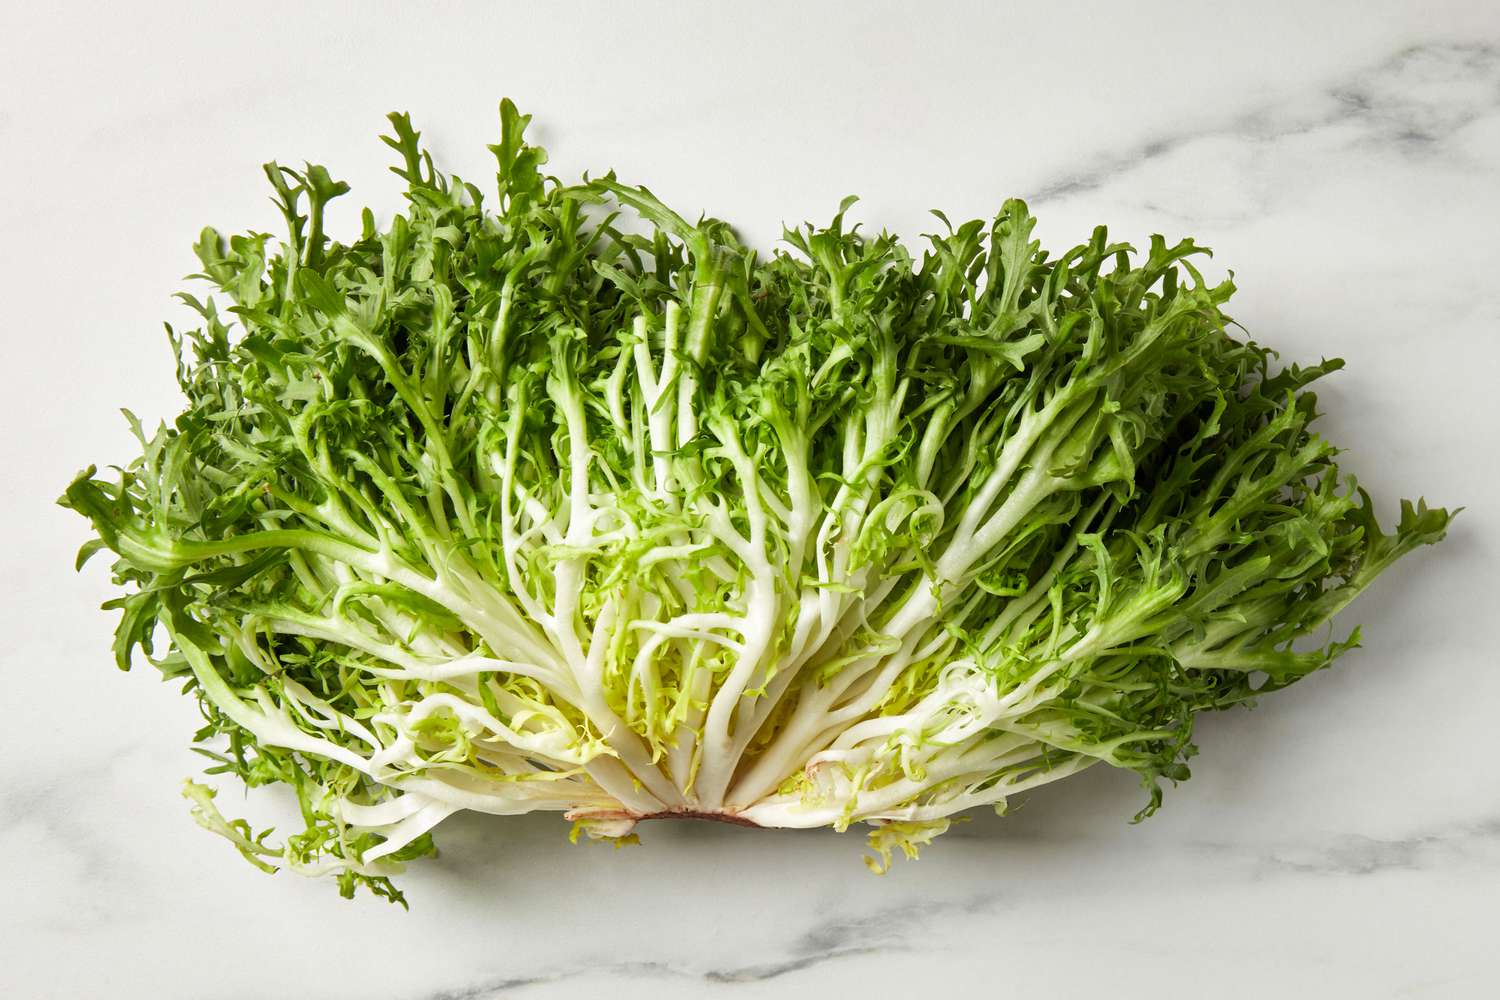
(880, 931)
(1357, 854)
(49, 802)
(1412, 101)
(889, 930)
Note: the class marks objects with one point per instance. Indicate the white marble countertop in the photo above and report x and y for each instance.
(1342, 840)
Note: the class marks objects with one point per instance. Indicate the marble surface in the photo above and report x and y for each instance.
(1343, 840)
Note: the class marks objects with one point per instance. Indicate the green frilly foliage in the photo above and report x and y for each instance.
(562, 501)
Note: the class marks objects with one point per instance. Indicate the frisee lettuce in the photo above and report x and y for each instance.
(577, 505)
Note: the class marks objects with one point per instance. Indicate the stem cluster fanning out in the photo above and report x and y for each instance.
(568, 503)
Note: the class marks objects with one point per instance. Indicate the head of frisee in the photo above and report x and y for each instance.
(557, 500)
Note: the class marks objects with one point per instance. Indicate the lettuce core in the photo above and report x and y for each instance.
(576, 505)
